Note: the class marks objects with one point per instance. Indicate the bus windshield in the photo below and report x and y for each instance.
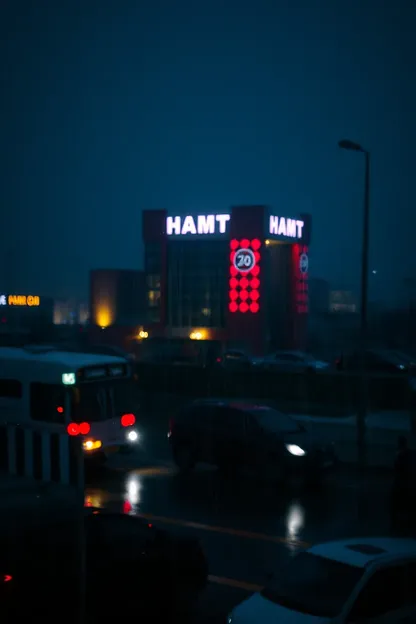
(102, 400)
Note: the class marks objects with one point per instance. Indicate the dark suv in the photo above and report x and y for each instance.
(238, 435)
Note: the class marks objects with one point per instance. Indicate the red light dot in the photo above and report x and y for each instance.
(254, 295)
(232, 256)
(233, 271)
(255, 244)
(243, 307)
(255, 283)
(234, 244)
(60, 410)
(233, 307)
(127, 507)
(84, 428)
(233, 295)
(127, 420)
(7, 578)
(243, 295)
(257, 256)
(254, 307)
(244, 282)
(245, 243)
(255, 270)
(233, 283)
(72, 429)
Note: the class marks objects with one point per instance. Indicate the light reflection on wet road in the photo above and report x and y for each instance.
(248, 529)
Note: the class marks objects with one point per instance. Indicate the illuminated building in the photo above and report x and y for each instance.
(117, 304)
(239, 277)
(70, 312)
(25, 311)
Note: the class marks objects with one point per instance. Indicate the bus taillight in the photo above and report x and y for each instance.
(128, 420)
(74, 429)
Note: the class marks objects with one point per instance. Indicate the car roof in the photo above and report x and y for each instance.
(360, 552)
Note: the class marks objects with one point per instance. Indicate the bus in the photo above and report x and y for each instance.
(91, 396)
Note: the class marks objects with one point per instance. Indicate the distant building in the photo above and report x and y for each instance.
(70, 312)
(236, 277)
(342, 302)
(25, 311)
(117, 298)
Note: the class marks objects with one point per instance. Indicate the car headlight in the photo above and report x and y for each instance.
(294, 449)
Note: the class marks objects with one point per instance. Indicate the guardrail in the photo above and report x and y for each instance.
(40, 453)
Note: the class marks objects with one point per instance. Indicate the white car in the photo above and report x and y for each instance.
(341, 582)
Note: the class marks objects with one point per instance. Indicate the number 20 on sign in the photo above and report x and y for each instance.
(244, 260)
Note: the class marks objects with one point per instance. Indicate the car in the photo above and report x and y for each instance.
(349, 581)
(132, 567)
(239, 435)
(234, 360)
(291, 361)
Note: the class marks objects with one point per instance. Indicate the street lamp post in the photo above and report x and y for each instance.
(363, 404)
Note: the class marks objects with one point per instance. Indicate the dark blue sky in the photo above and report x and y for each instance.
(109, 107)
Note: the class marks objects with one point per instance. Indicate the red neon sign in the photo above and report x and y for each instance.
(301, 272)
(244, 293)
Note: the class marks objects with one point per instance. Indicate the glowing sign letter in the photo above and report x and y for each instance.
(3, 300)
(173, 225)
(188, 226)
(206, 224)
(282, 226)
(273, 224)
(299, 225)
(223, 220)
(33, 300)
(291, 228)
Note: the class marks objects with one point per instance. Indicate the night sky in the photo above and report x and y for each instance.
(110, 107)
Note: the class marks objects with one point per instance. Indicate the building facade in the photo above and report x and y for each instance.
(25, 311)
(240, 277)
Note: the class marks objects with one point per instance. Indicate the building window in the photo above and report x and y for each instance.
(153, 297)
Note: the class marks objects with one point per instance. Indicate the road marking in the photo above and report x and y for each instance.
(249, 587)
(225, 530)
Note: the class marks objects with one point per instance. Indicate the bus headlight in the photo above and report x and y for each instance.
(132, 436)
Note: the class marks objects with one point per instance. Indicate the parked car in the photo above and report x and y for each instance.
(355, 580)
(291, 361)
(234, 360)
(239, 435)
(132, 568)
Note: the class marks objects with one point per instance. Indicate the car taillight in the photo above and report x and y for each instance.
(127, 420)
(74, 429)
(7, 578)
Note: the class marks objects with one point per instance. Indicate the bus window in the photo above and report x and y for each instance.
(125, 397)
(47, 403)
(87, 403)
(10, 389)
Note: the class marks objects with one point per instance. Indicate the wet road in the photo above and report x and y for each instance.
(248, 530)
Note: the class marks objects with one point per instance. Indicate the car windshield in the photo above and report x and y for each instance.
(274, 421)
(314, 585)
